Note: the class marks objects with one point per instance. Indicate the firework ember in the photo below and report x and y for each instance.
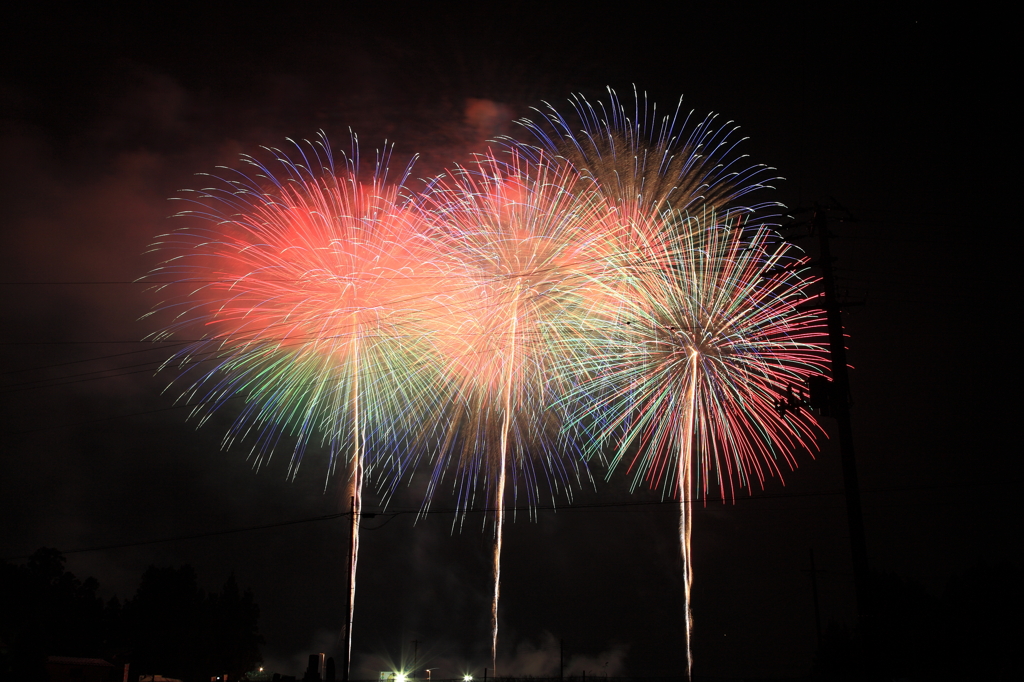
(682, 377)
(522, 242)
(683, 372)
(607, 289)
(306, 298)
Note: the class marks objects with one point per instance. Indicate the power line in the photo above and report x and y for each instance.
(169, 344)
(620, 507)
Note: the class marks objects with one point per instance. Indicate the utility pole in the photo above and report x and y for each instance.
(347, 644)
(836, 403)
(840, 404)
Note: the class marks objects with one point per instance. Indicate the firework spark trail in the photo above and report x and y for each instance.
(615, 273)
(686, 498)
(502, 473)
(310, 293)
(520, 240)
(356, 495)
(706, 336)
(731, 297)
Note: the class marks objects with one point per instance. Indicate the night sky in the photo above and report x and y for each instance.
(902, 117)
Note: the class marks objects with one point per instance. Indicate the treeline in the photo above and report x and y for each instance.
(170, 627)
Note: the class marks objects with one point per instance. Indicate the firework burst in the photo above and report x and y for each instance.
(681, 373)
(644, 162)
(610, 288)
(682, 376)
(306, 303)
(522, 243)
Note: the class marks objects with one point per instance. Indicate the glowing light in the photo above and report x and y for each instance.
(683, 371)
(611, 289)
(306, 291)
(714, 314)
(646, 163)
(519, 240)
(306, 296)
(681, 378)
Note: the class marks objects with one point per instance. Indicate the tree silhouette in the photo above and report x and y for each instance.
(178, 631)
(170, 627)
(232, 630)
(163, 622)
(45, 610)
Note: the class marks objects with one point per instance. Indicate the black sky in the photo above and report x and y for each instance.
(902, 116)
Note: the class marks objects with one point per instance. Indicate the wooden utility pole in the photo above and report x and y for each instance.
(840, 407)
(833, 398)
